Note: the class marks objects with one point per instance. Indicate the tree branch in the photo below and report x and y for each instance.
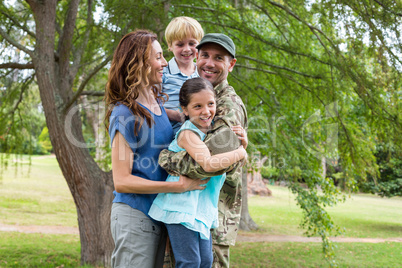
(66, 38)
(196, 7)
(16, 65)
(6, 73)
(278, 67)
(311, 27)
(249, 32)
(256, 69)
(80, 51)
(85, 82)
(388, 9)
(23, 88)
(15, 43)
(255, 36)
(93, 93)
(16, 23)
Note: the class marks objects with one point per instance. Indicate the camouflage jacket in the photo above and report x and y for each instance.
(230, 111)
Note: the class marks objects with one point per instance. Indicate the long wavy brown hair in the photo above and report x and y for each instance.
(128, 76)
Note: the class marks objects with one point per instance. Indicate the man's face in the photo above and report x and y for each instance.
(214, 63)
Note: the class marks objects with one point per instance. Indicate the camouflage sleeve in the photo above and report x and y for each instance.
(230, 111)
(220, 140)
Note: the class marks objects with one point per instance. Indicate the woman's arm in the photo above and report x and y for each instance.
(197, 149)
(125, 182)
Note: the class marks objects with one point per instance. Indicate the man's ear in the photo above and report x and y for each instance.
(232, 64)
(196, 55)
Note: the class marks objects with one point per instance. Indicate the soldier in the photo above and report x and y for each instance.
(215, 59)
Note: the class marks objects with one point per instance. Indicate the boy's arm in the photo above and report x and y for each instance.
(221, 140)
(174, 115)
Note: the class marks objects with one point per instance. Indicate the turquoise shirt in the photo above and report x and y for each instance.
(197, 210)
(172, 81)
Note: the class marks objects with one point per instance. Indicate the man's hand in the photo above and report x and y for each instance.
(242, 135)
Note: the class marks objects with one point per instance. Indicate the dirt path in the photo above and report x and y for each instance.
(240, 238)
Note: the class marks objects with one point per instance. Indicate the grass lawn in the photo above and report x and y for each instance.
(38, 195)
(291, 254)
(39, 250)
(362, 215)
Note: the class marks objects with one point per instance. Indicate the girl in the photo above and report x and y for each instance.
(190, 216)
(139, 129)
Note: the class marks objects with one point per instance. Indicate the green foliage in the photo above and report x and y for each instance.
(22, 119)
(320, 80)
(44, 141)
(389, 182)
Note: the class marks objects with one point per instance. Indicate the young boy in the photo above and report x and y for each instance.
(182, 35)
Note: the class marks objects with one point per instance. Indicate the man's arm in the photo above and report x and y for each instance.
(221, 140)
(230, 112)
(174, 115)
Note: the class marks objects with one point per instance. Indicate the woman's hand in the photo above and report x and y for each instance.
(187, 184)
(239, 130)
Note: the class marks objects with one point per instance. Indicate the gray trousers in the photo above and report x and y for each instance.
(139, 242)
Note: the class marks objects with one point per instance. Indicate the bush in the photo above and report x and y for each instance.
(389, 183)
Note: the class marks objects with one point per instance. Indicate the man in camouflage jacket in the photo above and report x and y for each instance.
(215, 59)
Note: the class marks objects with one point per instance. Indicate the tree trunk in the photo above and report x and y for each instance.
(246, 222)
(91, 188)
(95, 119)
(256, 185)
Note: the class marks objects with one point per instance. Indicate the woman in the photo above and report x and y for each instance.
(139, 129)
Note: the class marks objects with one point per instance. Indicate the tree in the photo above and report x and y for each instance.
(302, 70)
(65, 48)
(56, 59)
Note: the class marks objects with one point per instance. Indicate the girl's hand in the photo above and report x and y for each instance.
(242, 135)
(187, 184)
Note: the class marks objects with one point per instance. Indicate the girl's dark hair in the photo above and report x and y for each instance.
(191, 87)
(128, 75)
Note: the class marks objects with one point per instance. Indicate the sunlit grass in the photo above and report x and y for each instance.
(362, 215)
(39, 250)
(37, 194)
(287, 254)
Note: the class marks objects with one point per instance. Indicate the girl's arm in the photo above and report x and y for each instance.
(125, 182)
(197, 149)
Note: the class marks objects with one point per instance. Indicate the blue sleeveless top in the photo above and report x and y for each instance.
(197, 210)
(145, 146)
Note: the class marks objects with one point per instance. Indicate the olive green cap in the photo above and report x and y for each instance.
(220, 39)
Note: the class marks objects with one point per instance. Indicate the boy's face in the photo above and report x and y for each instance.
(184, 51)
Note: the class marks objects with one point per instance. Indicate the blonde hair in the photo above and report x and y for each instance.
(181, 27)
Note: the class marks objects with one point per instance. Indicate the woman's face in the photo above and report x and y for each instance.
(157, 62)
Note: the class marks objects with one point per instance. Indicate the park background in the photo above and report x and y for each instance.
(321, 83)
